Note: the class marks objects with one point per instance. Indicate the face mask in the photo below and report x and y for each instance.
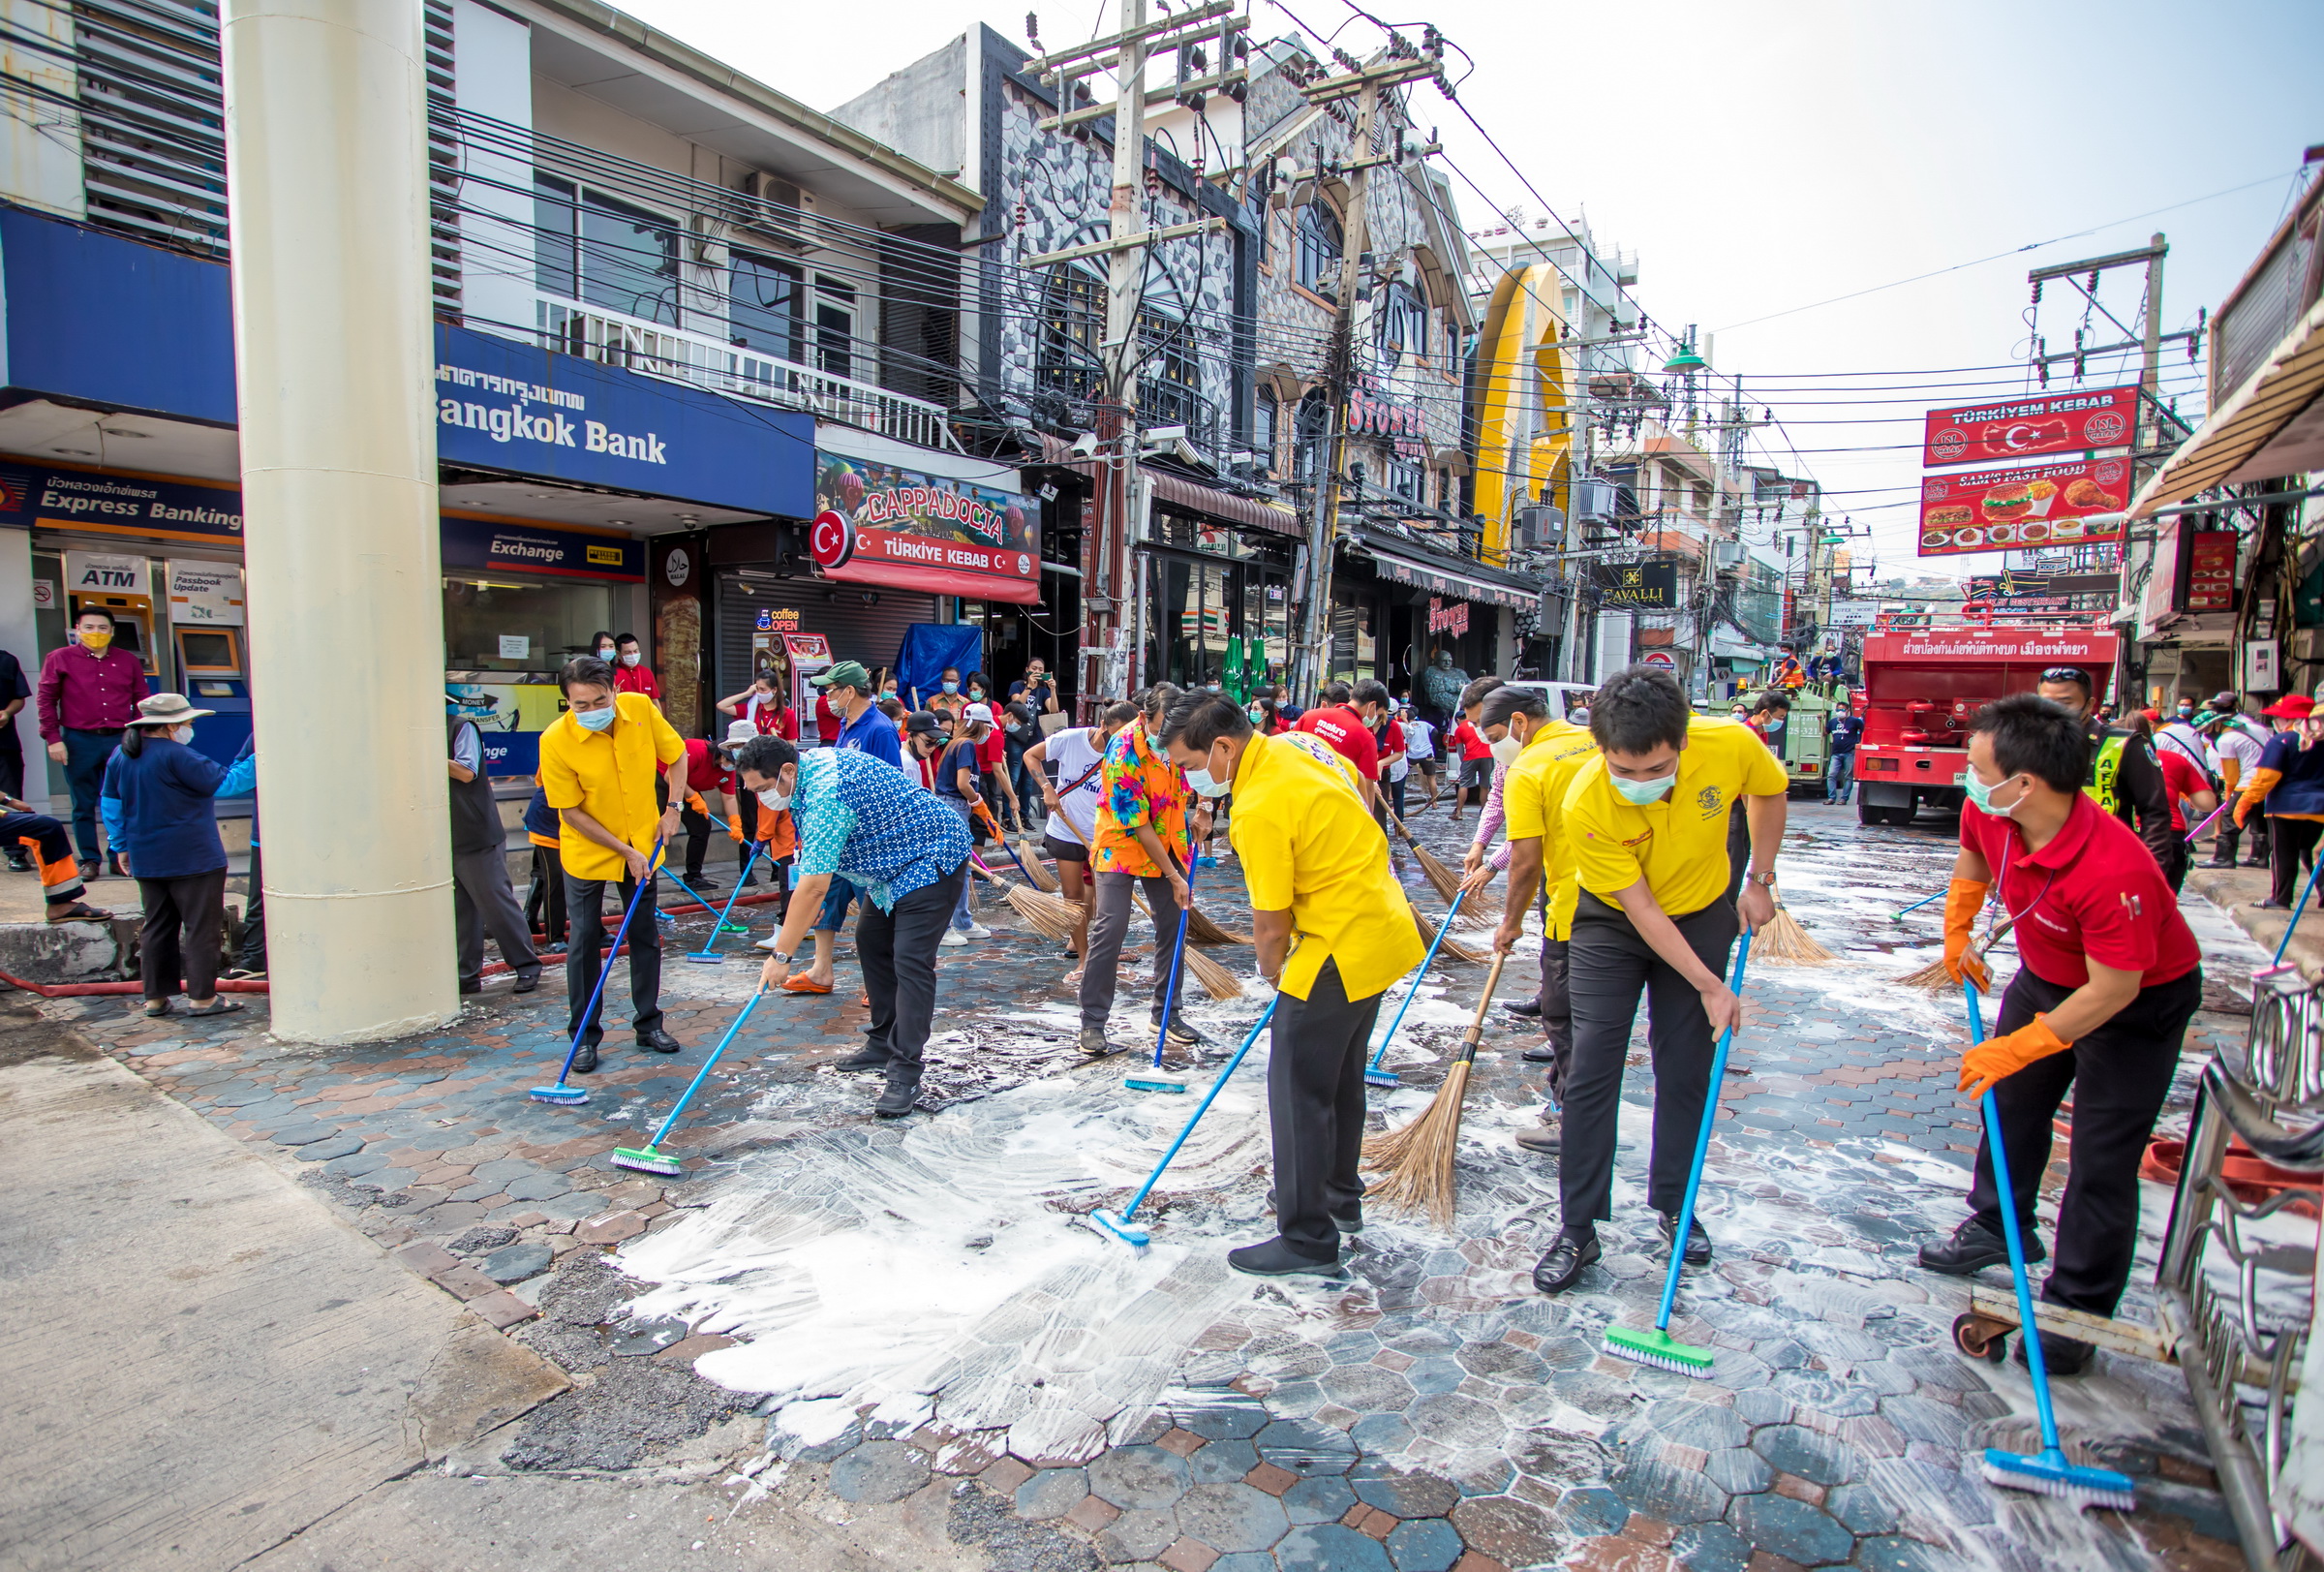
(1639, 794)
(183, 734)
(1206, 784)
(1507, 750)
(96, 641)
(776, 800)
(632, 658)
(1982, 794)
(952, 687)
(607, 655)
(595, 720)
(977, 693)
(1258, 715)
(887, 693)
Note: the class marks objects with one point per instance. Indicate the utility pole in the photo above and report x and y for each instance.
(1106, 583)
(1362, 83)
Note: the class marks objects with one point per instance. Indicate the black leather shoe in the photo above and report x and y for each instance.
(1699, 1243)
(585, 1061)
(660, 1041)
(899, 1100)
(2221, 862)
(1277, 1259)
(1974, 1248)
(2060, 1355)
(1529, 1008)
(1540, 1054)
(471, 985)
(1557, 1271)
(704, 883)
(863, 1058)
(527, 981)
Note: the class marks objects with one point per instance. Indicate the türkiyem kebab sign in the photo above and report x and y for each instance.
(878, 524)
(2071, 422)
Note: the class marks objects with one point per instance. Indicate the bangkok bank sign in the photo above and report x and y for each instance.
(878, 524)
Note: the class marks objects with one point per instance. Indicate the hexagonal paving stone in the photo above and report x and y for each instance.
(1305, 1447)
(1926, 1419)
(1893, 1554)
(1698, 1424)
(1221, 1463)
(1673, 1495)
(1138, 1477)
(1325, 1498)
(1432, 1375)
(1230, 1417)
(1052, 1493)
(879, 1471)
(1231, 1517)
(1738, 1470)
(1710, 1547)
(1795, 1449)
(1424, 1545)
(1382, 1433)
(1137, 1536)
(1455, 1419)
(1860, 1508)
(1367, 1388)
(338, 1146)
(1793, 1530)
(1503, 1361)
(1512, 1532)
(1406, 1493)
(1331, 1547)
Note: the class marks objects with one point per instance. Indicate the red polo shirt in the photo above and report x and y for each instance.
(2182, 780)
(1344, 729)
(2094, 892)
(636, 679)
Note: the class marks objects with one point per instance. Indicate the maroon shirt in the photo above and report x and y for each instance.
(80, 690)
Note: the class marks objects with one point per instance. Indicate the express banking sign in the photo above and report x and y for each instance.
(502, 405)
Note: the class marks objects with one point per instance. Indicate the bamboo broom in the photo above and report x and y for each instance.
(1029, 865)
(1935, 979)
(1453, 948)
(1053, 916)
(1417, 1159)
(1785, 942)
(1216, 980)
(1443, 880)
(1199, 929)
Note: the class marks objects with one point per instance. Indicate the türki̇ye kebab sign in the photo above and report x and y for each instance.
(878, 524)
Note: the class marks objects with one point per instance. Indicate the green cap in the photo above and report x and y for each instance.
(846, 674)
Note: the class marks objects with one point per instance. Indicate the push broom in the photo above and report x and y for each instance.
(1658, 1347)
(708, 954)
(1418, 1158)
(2047, 1472)
(1376, 1073)
(1443, 880)
(650, 1158)
(1153, 1079)
(558, 1091)
(1121, 1227)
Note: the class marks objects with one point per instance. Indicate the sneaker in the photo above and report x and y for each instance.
(1548, 1137)
(1277, 1259)
(952, 939)
(1974, 1248)
(1182, 1036)
(1094, 1043)
(977, 930)
(1699, 1239)
(898, 1098)
(864, 1058)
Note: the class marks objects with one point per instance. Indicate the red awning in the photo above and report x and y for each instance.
(936, 581)
(1189, 494)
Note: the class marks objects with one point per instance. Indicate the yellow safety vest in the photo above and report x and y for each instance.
(2103, 769)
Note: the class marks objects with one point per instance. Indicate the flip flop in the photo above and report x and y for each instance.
(221, 1005)
(157, 1009)
(799, 984)
(80, 912)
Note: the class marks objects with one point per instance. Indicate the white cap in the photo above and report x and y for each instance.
(978, 712)
(740, 731)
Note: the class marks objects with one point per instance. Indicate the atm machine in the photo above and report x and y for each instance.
(211, 664)
(133, 623)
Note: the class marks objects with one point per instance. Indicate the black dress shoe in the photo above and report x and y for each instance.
(1530, 1008)
(1540, 1054)
(471, 985)
(1699, 1243)
(660, 1041)
(864, 1058)
(2221, 862)
(2060, 1355)
(899, 1100)
(1277, 1259)
(1567, 1258)
(1974, 1248)
(528, 980)
(88, 869)
(585, 1061)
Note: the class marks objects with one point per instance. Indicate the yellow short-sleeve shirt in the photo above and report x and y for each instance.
(1309, 845)
(1533, 801)
(1680, 844)
(608, 775)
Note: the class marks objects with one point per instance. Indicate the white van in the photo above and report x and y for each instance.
(1564, 697)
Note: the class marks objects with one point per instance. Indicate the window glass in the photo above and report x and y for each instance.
(1320, 247)
(1263, 430)
(554, 270)
(556, 621)
(1402, 324)
(1072, 323)
(1168, 383)
(834, 326)
(763, 305)
(628, 260)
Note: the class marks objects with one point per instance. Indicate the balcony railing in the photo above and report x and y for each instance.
(611, 338)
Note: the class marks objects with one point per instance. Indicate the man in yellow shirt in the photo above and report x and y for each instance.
(1646, 821)
(598, 770)
(1541, 757)
(1333, 930)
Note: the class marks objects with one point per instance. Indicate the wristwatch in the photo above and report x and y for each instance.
(778, 955)
(1765, 880)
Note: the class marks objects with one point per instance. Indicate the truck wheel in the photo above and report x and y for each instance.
(1867, 814)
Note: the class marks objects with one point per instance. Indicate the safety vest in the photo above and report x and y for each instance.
(2104, 767)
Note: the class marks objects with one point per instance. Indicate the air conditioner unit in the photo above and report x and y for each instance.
(1726, 554)
(773, 208)
(1593, 499)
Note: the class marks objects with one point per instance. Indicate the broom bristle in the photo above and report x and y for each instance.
(1785, 942)
(1201, 930)
(1933, 976)
(1053, 916)
(1216, 980)
(1035, 870)
(1417, 1158)
(1452, 950)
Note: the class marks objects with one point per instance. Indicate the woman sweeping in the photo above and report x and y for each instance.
(158, 810)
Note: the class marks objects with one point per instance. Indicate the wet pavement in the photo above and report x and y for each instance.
(915, 1309)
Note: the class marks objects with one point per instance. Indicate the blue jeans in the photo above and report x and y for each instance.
(836, 900)
(963, 918)
(1841, 778)
(85, 756)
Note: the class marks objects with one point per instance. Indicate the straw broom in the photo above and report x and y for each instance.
(1052, 916)
(1453, 950)
(1216, 980)
(1029, 865)
(1785, 942)
(1443, 880)
(1935, 979)
(1417, 1159)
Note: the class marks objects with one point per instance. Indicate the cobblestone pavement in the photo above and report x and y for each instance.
(911, 1310)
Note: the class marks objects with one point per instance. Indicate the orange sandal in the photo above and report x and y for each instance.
(798, 983)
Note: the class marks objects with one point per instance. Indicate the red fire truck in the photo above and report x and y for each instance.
(1924, 685)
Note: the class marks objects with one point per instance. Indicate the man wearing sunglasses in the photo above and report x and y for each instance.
(2124, 775)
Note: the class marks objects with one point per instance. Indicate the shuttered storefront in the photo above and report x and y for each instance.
(855, 632)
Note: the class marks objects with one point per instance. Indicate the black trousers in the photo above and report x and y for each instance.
(1557, 1008)
(2175, 863)
(12, 759)
(250, 951)
(1738, 850)
(1315, 1060)
(2128, 1063)
(697, 840)
(544, 896)
(898, 952)
(1608, 967)
(87, 753)
(2291, 843)
(184, 934)
(584, 907)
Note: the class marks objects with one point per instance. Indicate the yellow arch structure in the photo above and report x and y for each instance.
(1519, 390)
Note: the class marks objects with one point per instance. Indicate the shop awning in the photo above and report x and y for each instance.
(2272, 425)
(1187, 494)
(1438, 579)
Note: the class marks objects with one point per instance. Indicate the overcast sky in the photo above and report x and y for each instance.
(1759, 157)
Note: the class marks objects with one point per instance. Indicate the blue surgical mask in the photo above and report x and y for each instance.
(952, 687)
(1205, 785)
(1982, 794)
(595, 720)
(1258, 715)
(1641, 793)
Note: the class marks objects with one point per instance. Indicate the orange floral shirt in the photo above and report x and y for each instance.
(1141, 790)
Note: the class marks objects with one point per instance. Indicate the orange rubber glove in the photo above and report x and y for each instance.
(734, 827)
(1964, 899)
(1998, 1057)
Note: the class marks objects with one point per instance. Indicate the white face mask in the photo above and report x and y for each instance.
(1507, 750)
(1207, 784)
(630, 658)
(777, 801)
(184, 733)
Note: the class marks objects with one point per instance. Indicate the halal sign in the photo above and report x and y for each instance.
(832, 539)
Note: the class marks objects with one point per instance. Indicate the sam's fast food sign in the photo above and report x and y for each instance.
(2028, 507)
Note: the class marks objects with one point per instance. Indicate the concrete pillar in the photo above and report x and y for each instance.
(328, 210)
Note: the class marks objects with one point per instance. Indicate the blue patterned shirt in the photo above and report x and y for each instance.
(862, 819)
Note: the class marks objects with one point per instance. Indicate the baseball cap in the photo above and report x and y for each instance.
(920, 722)
(978, 712)
(846, 674)
(2291, 707)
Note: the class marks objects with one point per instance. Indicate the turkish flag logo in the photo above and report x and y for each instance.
(832, 539)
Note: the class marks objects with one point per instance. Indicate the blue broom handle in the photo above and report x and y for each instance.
(1204, 1107)
(1703, 1148)
(1426, 962)
(1177, 956)
(695, 1084)
(2286, 942)
(2028, 1333)
(689, 894)
(719, 927)
(1923, 901)
(605, 967)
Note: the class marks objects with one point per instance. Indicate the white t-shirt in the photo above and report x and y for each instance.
(2235, 743)
(1420, 738)
(1074, 751)
(2185, 741)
